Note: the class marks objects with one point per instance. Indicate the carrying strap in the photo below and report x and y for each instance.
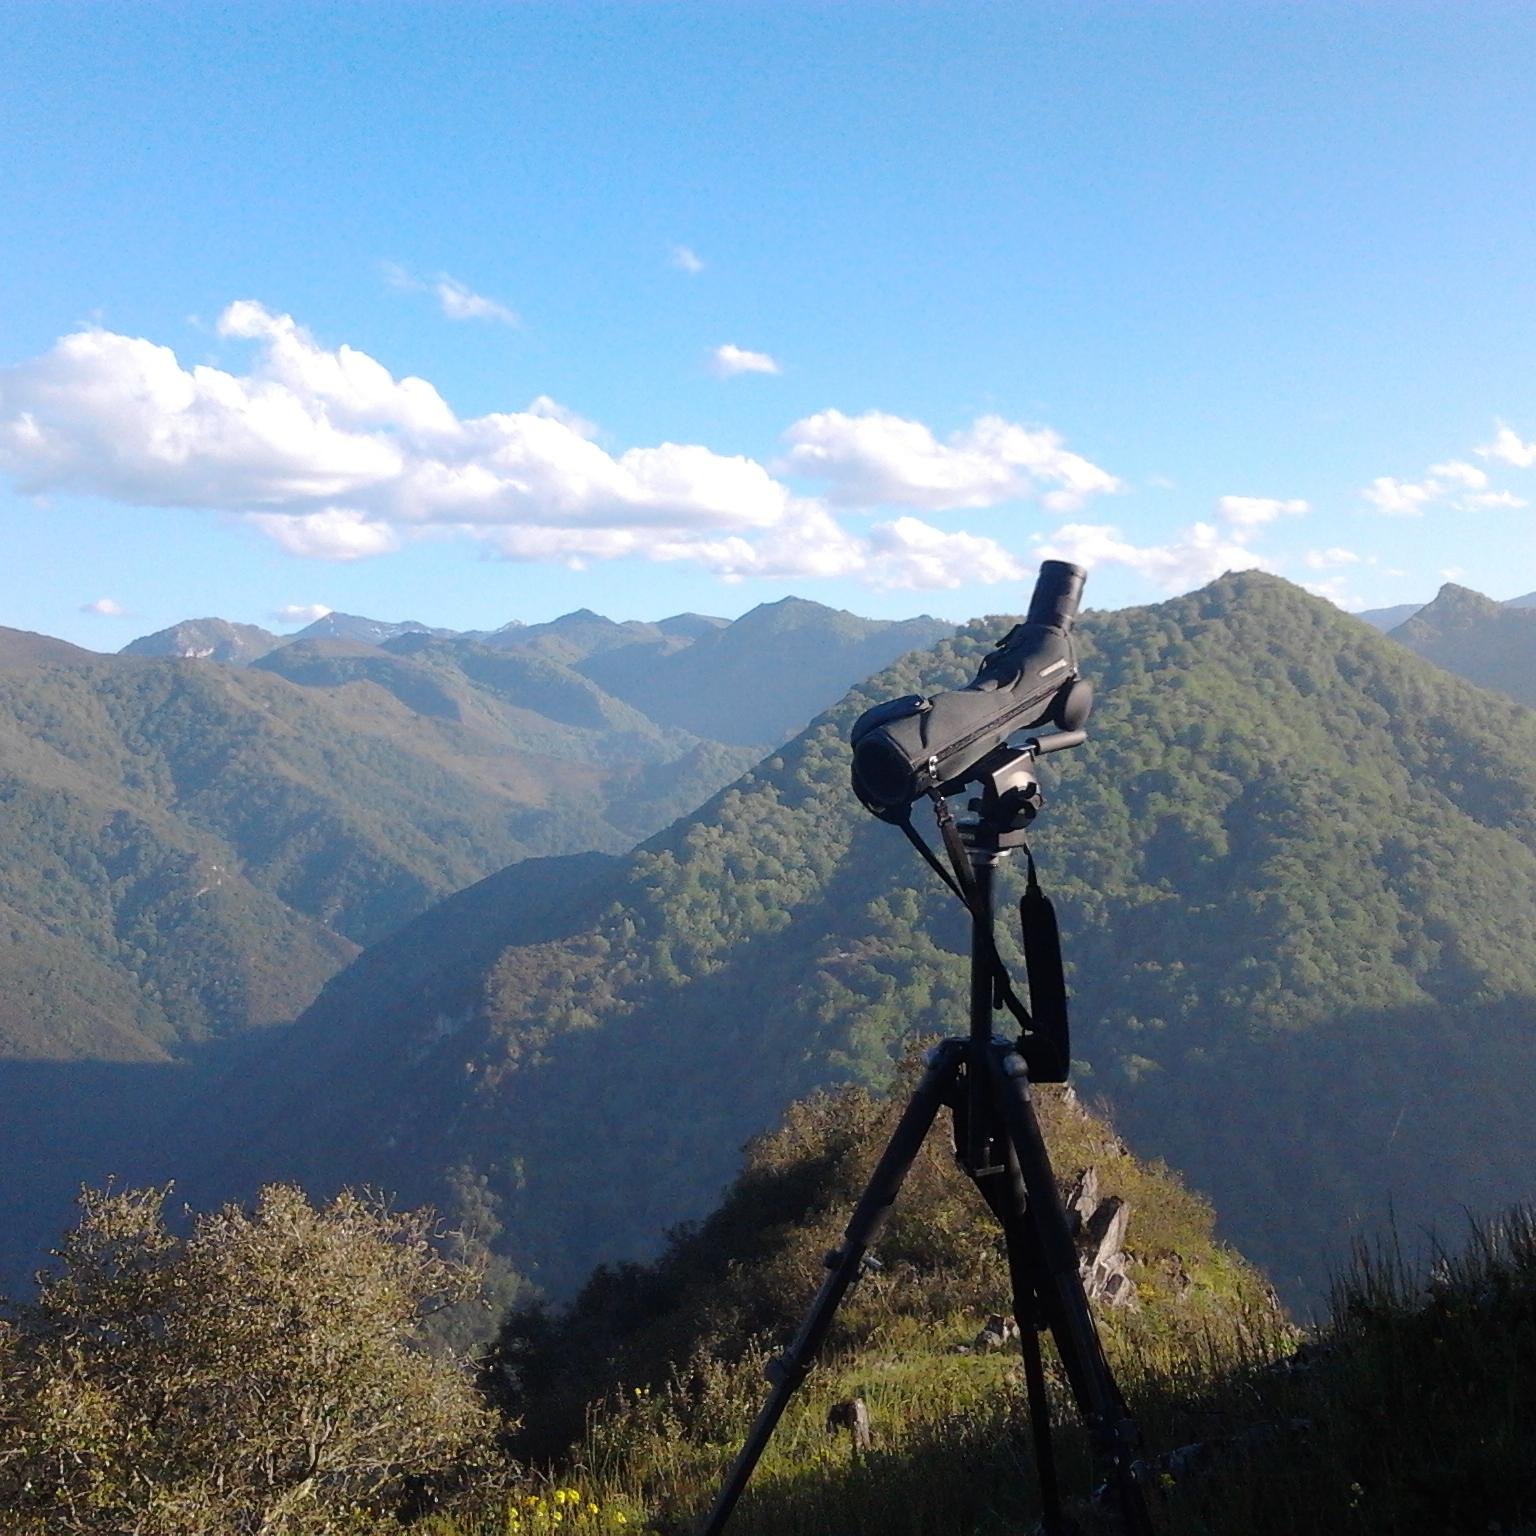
(1047, 980)
(963, 884)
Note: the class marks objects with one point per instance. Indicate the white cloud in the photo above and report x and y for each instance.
(301, 613)
(1329, 559)
(333, 450)
(458, 301)
(1336, 590)
(107, 607)
(1255, 511)
(906, 553)
(1456, 483)
(730, 360)
(685, 259)
(542, 405)
(882, 460)
(337, 533)
(332, 457)
(1509, 448)
(1199, 555)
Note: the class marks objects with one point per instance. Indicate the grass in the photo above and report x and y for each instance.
(1408, 1410)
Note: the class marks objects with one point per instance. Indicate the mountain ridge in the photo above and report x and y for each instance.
(1363, 824)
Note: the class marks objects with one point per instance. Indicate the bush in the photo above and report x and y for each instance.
(263, 1375)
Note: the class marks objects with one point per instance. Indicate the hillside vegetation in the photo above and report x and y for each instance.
(1491, 643)
(278, 1369)
(1295, 865)
(1404, 1410)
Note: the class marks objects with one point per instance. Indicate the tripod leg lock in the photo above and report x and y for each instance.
(784, 1369)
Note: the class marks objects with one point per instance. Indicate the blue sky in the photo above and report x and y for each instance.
(713, 303)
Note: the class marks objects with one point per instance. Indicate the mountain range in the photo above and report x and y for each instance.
(1296, 866)
(192, 846)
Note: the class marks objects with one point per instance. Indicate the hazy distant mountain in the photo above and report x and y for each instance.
(1493, 644)
(1389, 618)
(212, 639)
(350, 626)
(574, 637)
(1296, 869)
(762, 677)
(690, 625)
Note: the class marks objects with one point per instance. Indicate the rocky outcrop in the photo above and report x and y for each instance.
(1098, 1228)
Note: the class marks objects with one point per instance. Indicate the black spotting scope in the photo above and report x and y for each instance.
(909, 747)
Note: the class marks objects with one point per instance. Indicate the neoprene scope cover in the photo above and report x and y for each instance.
(906, 747)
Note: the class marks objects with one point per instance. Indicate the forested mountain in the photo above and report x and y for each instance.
(192, 849)
(213, 639)
(750, 681)
(1491, 643)
(352, 626)
(1296, 868)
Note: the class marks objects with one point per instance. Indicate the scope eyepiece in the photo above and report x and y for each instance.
(1058, 591)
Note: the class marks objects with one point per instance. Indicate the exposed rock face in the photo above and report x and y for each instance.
(1098, 1228)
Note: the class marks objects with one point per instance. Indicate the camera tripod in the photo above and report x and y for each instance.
(984, 1081)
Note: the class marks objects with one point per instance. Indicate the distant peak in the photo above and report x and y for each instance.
(1453, 595)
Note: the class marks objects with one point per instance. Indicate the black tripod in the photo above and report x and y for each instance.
(984, 1081)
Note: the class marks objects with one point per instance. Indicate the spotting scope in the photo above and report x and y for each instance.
(909, 747)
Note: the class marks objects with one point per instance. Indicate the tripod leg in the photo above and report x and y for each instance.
(1060, 1289)
(845, 1264)
(1029, 1317)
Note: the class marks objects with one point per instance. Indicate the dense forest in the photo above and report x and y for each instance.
(198, 833)
(1294, 866)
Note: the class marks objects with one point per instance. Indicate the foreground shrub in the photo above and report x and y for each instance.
(264, 1375)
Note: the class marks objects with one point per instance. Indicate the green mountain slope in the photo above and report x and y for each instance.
(1493, 644)
(1296, 868)
(762, 677)
(211, 639)
(220, 840)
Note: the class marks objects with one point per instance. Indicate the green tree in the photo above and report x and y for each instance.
(264, 1375)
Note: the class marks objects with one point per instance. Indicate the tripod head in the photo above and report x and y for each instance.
(1010, 797)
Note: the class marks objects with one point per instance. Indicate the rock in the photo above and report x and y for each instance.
(996, 1334)
(1083, 1199)
(853, 1416)
(1100, 1227)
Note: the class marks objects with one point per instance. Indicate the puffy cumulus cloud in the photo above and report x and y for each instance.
(906, 553)
(1255, 511)
(882, 460)
(337, 533)
(106, 607)
(1509, 448)
(300, 613)
(1200, 554)
(1456, 484)
(332, 456)
(729, 361)
(686, 259)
